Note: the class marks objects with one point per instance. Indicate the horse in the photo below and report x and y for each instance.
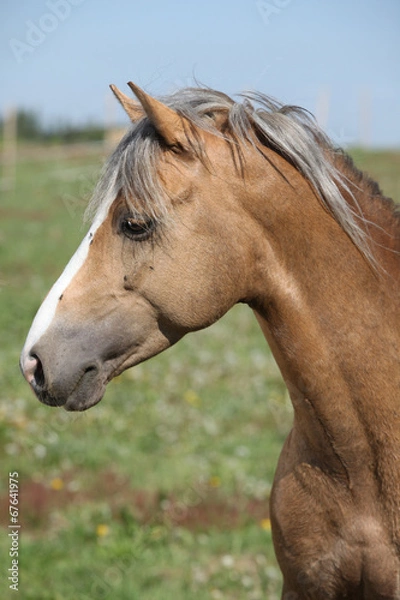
(208, 202)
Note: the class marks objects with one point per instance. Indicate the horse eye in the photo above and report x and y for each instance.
(137, 229)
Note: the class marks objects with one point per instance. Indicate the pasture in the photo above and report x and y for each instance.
(161, 491)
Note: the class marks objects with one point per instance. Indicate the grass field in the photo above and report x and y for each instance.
(161, 491)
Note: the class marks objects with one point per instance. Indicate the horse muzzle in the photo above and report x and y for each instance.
(66, 368)
(71, 363)
(83, 390)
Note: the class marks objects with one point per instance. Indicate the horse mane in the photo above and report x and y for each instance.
(288, 130)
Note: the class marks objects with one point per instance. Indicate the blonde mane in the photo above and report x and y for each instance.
(288, 130)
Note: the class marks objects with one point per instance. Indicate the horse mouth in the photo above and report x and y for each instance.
(87, 391)
(78, 403)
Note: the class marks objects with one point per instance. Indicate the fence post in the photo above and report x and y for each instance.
(9, 158)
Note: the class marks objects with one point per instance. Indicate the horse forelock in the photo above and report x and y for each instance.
(133, 168)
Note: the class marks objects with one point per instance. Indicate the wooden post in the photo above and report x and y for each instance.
(365, 118)
(322, 108)
(113, 133)
(9, 158)
(109, 123)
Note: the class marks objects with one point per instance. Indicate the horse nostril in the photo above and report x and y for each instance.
(38, 375)
(32, 369)
(28, 366)
(91, 370)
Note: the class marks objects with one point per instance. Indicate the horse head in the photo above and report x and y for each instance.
(168, 252)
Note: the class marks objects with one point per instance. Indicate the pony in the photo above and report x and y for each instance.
(208, 202)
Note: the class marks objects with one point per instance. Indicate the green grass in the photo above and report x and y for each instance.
(161, 491)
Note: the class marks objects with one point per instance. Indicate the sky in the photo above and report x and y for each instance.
(340, 59)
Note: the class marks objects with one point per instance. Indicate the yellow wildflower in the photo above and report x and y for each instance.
(102, 530)
(265, 524)
(192, 398)
(214, 481)
(57, 484)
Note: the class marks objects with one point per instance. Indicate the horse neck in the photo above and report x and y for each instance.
(332, 323)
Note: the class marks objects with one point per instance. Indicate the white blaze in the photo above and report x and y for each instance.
(46, 312)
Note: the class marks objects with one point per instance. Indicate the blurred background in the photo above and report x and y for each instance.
(339, 60)
(162, 490)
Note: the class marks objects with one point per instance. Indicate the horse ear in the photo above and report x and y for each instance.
(167, 122)
(132, 108)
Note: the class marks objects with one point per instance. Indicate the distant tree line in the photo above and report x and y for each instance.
(31, 128)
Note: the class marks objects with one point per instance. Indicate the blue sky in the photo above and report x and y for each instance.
(338, 58)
